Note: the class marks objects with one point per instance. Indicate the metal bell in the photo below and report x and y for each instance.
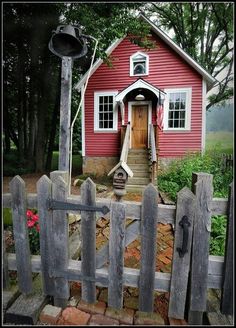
(65, 43)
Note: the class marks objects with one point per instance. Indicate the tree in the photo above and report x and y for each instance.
(205, 31)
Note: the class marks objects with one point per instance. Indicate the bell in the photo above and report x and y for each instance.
(65, 43)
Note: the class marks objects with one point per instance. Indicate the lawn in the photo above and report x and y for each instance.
(220, 140)
(76, 162)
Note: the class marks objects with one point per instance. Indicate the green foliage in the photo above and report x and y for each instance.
(218, 235)
(179, 173)
(7, 217)
(12, 166)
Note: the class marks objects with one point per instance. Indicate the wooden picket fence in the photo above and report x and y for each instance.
(192, 272)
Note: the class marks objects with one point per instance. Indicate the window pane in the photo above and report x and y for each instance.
(171, 115)
(100, 125)
(111, 99)
(110, 116)
(170, 123)
(172, 97)
(182, 125)
(182, 114)
(182, 105)
(176, 105)
(171, 105)
(110, 125)
(176, 114)
(176, 123)
(177, 96)
(139, 69)
(101, 100)
(106, 116)
(105, 108)
(183, 96)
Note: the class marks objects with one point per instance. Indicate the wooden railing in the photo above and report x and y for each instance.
(124, 152)
(125, 146)
(152, 151)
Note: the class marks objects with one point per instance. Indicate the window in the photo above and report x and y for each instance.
(139, 64)
(177, 109)
(105, 114)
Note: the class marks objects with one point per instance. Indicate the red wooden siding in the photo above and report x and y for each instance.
(166, 70)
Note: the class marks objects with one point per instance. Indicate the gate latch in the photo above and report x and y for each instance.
(59, 205)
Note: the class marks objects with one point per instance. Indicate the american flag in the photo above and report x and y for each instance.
(160, 114)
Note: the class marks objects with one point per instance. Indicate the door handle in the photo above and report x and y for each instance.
(184, 223)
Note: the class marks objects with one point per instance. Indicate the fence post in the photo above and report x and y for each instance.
(88, 242)
(60, 237)
(44, 191)
(116, 255)
(202, 187)
(22, 248)
(227, 289)
(180, 265)
(148, 248)
(5, 280)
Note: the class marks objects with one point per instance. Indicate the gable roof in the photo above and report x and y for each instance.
(210, 80)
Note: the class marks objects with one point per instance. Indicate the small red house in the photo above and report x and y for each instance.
(132, 93)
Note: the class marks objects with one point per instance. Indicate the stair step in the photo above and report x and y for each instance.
(135, 188)
(137, 160)
(139, 167)
(138, 181)
(141, 174)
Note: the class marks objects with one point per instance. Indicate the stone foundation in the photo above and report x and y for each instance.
(99, 165)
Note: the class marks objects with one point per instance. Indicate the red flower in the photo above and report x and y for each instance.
(29, 213)
(30, 223)
(35, 217)
(37, 227)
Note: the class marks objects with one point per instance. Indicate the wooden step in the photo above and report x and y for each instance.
(137, 160)
(141, 174)
(139, 167)
(135, 188)
(138, 181)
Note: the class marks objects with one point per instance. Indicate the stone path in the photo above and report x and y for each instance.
(80, 313)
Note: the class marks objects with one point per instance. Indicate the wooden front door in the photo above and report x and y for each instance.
(139, 127)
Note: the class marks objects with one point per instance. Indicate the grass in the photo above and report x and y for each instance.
(76, 162)
(222, 140)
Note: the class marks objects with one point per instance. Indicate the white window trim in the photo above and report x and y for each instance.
(188, 109)
(96, 111)
(131, 64)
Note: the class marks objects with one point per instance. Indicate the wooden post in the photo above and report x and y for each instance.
(5, 280)
(180, 265)
(88, 242)
(228, 287)
(44, 191)
(65, 114)
(116, 255)
(60, 238)
(200, 249)
(20, 229)
(148, 248)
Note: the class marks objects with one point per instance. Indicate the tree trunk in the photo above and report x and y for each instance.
(54, 123)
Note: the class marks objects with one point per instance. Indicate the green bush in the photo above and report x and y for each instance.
(179, 174)
(218, 234)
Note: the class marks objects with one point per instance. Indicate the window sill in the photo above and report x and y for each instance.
(105, 131)
(176, 130)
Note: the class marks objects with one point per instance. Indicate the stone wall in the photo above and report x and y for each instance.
(99, 165)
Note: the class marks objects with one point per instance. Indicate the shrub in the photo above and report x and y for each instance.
(179, 174)
(218, 234)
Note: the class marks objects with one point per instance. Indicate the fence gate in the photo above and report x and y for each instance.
(193, 270)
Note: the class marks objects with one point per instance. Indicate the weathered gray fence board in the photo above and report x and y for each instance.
(21, 238)
(148, 248)
(88, 241)
(227, 290)
(44, 191)
(180, 265)
(60, 238)
(116, 255)
(5, 280)
(200, 249)
(133, 209)
(65, 110)
(131, 276)
(131, 233)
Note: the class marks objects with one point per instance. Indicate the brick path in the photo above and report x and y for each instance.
(80, 313)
